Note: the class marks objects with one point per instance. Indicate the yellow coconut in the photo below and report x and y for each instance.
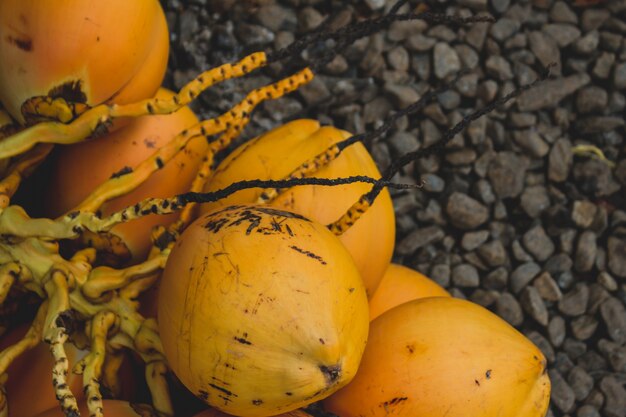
(277, 153)
(261, 311)
(441, 357)
(83, 51)
(216, 413)
(78, 169)
(399, 285)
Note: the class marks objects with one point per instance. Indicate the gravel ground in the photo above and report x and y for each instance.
(510, 217)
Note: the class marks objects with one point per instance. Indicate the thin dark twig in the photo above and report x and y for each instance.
(193, 197)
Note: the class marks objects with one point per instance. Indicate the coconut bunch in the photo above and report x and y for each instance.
(265, 290)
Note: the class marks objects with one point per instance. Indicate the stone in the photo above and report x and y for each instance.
(583, 213)
(493, 253)
(586, 251)
(446, 60)
(591, 99)
(574, 302)
(465, 275)
(545, 49)
(532, 141)
(496, 279)
(563, 33)
(619, 76)
(538, 244)
(523, 275)
(472, 240)
(508, 308)
(588, 43)
(419, 238)
(547, 288)
(556, 330)
(535, 200)
(551, 92)
(403, 142)
(504, 28)
(560, 160)
(563, 396)
(614, 316)
(533, 305)
(506, 173)
(615, 397)
(604, 64)
(584, 327)
(561, 12)
(580, 382)
(617, 256)
(440, 273)
(464, 212)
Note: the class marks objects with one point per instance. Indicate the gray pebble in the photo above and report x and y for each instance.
(591, 99)
(472, 240)
(420, 43)
(619, 76)
(533, 305)
(440, 273)
(499, 68)
(504, 28)
(563, 396)
(607, 281)
(420, 237)
(535, 200)
(584, 327)
(614, 317)
(496, 279)
(615, 397)
(551, 92)
(563, 33)
(588, 43)
(500, 6)
(399, 59)
(403, 142)
(493, 253)
(523, 275)
(465, 275)
(547, 287)
(538, 244)
(464, 212)
(587, 411)
(509, 309)
(467, 85)
(468, 56)
(617, 256)
(545, 49)
(446, 61)
(542, 343)
(593, 18)
(583, 213)
(561, 12)
(519, 253)
(506, 173)
(581, 382)
(556, 330)
(586, 251)
(531, 140)
(433, 183)
(574, 302)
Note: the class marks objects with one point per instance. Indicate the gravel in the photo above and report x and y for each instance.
(512, 216)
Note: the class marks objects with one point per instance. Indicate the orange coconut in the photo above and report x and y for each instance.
(212, 412)
(83, 51)
(442, 356)
(399, 285)
(275, 154)
(80, 168)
